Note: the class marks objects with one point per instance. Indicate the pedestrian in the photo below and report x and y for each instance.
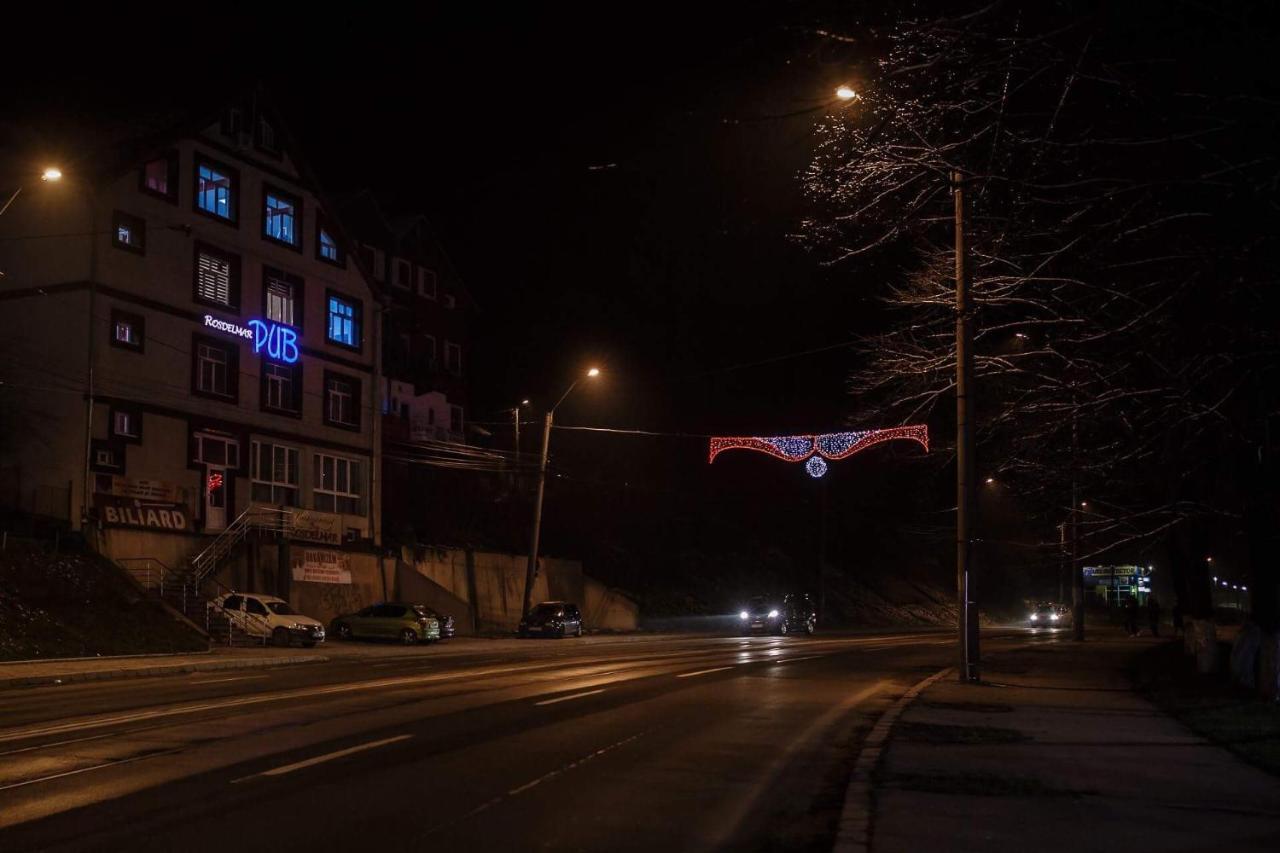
(1153, 614)
(1177, 618)
(1131, 616)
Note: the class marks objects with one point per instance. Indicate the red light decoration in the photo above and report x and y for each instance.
(832, 446)
(215, 482)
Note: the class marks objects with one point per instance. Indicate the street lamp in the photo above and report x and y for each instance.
(536, 533)
(846, 93)
(52, 174)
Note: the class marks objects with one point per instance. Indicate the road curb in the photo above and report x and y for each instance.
(854, 832)
(154, 671)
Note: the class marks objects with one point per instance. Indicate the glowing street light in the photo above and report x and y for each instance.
(990, 480)
(846, 93)
(53, 173)
(536, 533)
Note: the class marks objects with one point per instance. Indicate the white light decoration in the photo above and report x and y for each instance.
(815, 466)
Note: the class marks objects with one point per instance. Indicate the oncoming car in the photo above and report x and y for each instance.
(790, 614)
(1048, 616)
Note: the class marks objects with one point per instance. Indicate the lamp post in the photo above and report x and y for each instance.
(49, 175)
(536, 533)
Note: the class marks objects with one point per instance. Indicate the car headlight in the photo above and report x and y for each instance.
(1035, 616)
(744, 615)
(1054, 617)
(773, 614)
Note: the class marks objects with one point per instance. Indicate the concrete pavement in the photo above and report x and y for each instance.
(1055, 751)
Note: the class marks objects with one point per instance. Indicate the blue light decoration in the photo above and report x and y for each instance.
(279, 342)
(818, 448)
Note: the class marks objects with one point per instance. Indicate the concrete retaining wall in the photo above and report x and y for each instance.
(491, 586)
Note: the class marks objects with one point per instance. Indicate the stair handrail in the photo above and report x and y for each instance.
(255, 517)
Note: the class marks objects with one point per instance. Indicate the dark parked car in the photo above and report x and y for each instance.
(552, 619)
(408, 623)
(788, 614)
(446, 622)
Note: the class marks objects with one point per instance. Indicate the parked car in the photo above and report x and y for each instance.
(790, 614)
(446, 622)
(267, 616)
(552, 619)
(408, 623)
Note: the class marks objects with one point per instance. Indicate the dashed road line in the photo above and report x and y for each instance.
(703, 672)
(567, 698)
(321, 759)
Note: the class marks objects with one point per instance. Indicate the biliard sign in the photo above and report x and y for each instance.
(280, 343)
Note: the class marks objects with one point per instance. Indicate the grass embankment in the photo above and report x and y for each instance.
(75, 604)
(1212, 706)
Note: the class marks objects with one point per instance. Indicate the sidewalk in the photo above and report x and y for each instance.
(70, 670)
(1054, 751)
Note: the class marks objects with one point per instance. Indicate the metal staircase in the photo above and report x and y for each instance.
(255, 518)
(190, 588)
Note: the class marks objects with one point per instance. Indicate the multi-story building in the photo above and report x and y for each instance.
(425, 345)
(423, 385)
(188, 334)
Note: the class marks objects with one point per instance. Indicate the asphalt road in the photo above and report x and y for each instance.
(683, 743)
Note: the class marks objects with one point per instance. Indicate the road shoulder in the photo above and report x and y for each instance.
(38, 673)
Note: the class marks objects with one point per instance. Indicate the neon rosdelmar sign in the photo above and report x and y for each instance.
(276, 341)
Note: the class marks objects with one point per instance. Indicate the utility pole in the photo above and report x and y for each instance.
(532, 565)
(515, 413)
(1077, 574)
(966, 503)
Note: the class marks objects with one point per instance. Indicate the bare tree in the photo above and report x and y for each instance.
(1108, 348)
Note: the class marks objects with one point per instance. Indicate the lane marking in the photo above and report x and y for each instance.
(703, 672)
(567, 698)
(229, 678)
(321, 759)
(793, 660)
(528, 785)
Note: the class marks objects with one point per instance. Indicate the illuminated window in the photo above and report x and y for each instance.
(125, 424)
(159, 177)
(217, 277)
(128, 232)
(328, 247)
(280, 217)
(344, 321)
(338, 484)
(282, 296)
(275, 474)
(216, 187)
(127, 330)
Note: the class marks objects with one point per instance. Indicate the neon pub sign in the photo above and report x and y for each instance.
(280, 343)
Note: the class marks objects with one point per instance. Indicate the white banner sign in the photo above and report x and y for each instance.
(313, 526)
(313, 565)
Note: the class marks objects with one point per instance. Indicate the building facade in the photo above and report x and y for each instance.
(189, 335)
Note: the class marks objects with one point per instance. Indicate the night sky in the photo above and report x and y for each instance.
(616, 186)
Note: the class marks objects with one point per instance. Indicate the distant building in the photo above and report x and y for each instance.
(423, 391)
(188, 333)
(1111, 585)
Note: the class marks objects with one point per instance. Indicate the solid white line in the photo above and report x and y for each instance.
(793, 660)
(703, 672)
(320, 759)
(567, 698)
(232, 678)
